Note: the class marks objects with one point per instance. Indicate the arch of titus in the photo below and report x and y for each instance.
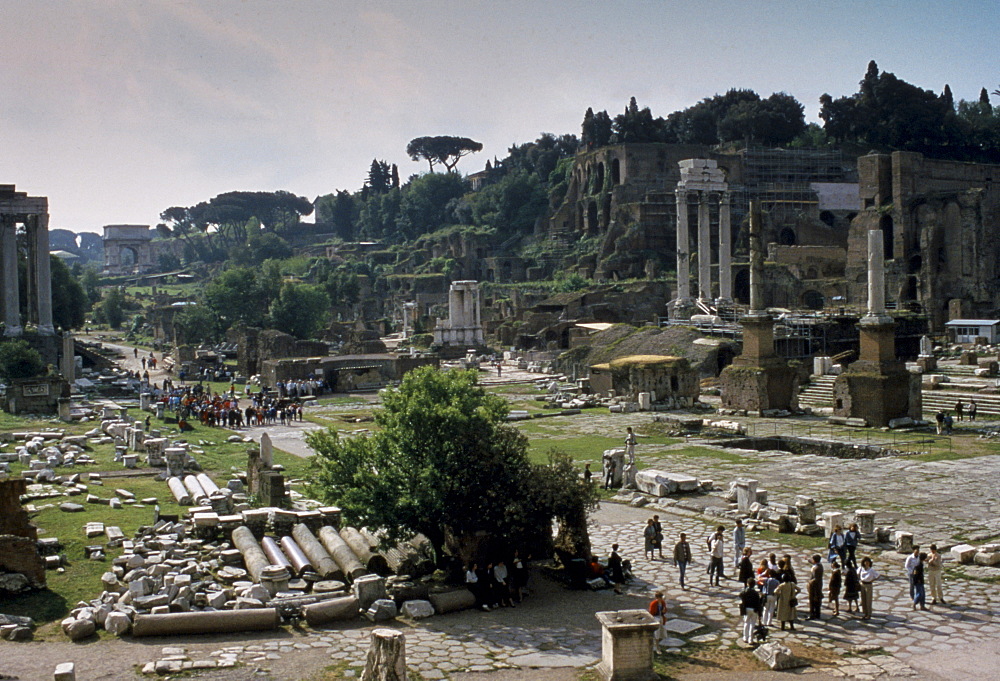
(703, 183)
(17, 208)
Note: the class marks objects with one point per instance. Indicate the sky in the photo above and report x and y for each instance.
(119, 110)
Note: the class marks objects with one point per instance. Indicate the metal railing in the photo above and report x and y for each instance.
(906, 443)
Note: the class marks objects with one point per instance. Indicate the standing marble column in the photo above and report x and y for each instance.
(683, 249)
(876, 274)
(725, 252)
(704, 250)
(11, 294)
(756, 261)
(43, 275)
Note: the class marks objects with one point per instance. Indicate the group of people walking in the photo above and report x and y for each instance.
(945, 422)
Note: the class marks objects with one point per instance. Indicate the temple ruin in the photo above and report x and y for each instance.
(32, 214)
(703, 184)
(464, 326)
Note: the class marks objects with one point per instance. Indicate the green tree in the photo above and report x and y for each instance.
(197, 324)
(240, 295)
(443, 149)
(112, 308)
(445, 463)
(69, 301)
(91, 282)
(300, 309)
(424, 202)
(19, 360)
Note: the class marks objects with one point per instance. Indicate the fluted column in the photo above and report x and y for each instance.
(683, 249)
(725, 252)
(704, 250)
(11, 294)
(43, 274)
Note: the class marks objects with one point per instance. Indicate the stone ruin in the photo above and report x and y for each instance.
(128, 249)
(265, 483)
(464, 326)
(21, 565)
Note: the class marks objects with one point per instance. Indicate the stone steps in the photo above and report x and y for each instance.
(933, 400)
(819, 392)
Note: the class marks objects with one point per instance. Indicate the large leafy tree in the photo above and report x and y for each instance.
(241, 295)
(445, 463)
(19, 360)
(442, 149)
(69, 301)
(300, 309)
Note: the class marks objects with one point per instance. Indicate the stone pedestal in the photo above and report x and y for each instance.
(830, 520)
(746, 494)
(805, 507)
(928, 365)
(904, 542)
(627, 645)
(865, 518)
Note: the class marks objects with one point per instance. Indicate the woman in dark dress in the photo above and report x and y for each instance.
(852, 589)
(745, 567)
(836, 579)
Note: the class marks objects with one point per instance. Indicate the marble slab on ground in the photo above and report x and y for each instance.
(550, 660)
(682, 626)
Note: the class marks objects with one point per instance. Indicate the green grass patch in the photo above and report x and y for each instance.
(799, 541)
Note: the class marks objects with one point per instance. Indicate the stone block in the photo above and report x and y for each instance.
(65, 671)
(777, 656)
(368, 589)
(964, 553)
(904, 542)
(831, 519)
(984, 558)
(381, 610)
(78, 629)
(418, 610)
(117, 623)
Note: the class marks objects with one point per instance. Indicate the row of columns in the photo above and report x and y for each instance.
(39, 272)
(704, 198)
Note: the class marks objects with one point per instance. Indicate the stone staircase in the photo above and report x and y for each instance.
(819, 392)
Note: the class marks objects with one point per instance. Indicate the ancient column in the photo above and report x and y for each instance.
(11, 295)
(704, 250)
(683, 249)
(756, 261)
(43, 276)
(876, 274)
(68, 364)
(725, 252)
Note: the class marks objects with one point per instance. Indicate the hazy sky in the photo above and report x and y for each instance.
(118, 110)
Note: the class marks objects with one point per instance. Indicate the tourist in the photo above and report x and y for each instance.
(787, 602)
(630, 441)
(935, 566)
(597, 571)
(838, 544)
(917, 580)
(785, 567)
(745, 567)
(487, 586)
(973, 408)
(472, 584)
(682, 556)
(616, 568)
(648, 538)
(502, 584)
(772, 562)
(815, 587)
(762, 572)
(739, 542)
(836, 579)
(852, 588)
(658, 609)
(658, 540)
(909, 564)
(769, 589)
(867, 576)
(949, 423)
(135, 353)
(609, 474)
(851, 539)
(587, 474)
(751, 606)
(939, 418)
(959, 409)
(519, 576)
(716, 549)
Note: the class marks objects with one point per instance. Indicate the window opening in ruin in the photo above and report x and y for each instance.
(813, 300)
(840, 403)
(826, 217)
(616, 172)
(911, 289)
(674, 384)
(599, 182)
(888, 238)
(741, 287)
(915, 264)
(592, 218)
(606, 211)
(786, 237)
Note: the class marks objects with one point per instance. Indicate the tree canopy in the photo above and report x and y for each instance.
(443, 149)
(445, 463)
(19, 360)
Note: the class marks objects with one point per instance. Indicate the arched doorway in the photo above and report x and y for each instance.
(741, 287)
(786, 237)
(813, 300)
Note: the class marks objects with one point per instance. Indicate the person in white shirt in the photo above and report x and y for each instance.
(867, 576)
(909, 565)
(934, 565)
(716, 549)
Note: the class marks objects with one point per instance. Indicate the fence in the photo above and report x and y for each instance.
(907, 443)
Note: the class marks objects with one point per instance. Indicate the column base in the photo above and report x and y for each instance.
(46, 330)
(728, 302)
(13, 331)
